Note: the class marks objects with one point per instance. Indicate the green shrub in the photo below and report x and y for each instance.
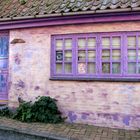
(6, 112)
(43, 110)
(23, 112)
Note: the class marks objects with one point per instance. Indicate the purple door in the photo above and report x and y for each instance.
(4, 42)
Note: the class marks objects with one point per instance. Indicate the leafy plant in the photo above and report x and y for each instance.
(23, 112)
(6, 112)
(42, 110)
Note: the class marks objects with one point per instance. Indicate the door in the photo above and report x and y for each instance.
(4, 43)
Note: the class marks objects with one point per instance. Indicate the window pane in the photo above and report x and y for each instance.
(4, 46)
(81, 55)
(91, 55)
(91, 42)
(68, 55)
(138, 54)
(59, 44)
(105, 54)
(139, 68)
(59, 55)
(3, 64)
(139, 41)
(116, 54)
(68, 43)
(81, 43)
(91, 68)
(81, 68)
(116, 42)
(106, 67)
(131, 42)
(58, 68)
(131, 68)
(116, 68)
(131, 54)
(106, 42)
(2, 83)
(68, 68)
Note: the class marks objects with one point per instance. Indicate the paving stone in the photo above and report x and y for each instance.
(121, 138)
(134, 139)
(115, 138)
(104, 133)
(97, 138)
(105, 138)
(67, 131)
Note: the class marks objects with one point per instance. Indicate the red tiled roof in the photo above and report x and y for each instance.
(19, 9)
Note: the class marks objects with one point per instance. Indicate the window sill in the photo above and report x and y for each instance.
(95, 79)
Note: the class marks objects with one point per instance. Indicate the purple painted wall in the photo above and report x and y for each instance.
(113, 104)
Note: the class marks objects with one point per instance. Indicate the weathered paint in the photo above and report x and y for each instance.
(113, 104)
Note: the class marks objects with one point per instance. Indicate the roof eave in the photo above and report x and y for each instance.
(69, 18)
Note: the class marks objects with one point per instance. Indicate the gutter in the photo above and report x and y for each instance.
(69, 18)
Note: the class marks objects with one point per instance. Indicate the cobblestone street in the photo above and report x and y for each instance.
(67, 131)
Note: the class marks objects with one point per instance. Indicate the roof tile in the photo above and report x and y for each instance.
(33, 8)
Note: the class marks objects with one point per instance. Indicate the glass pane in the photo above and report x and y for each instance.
(106, 67)
(3, 64)
(131, 68)
(139, 41)
(138, 67)
(106, 42)
(59, 68)
(116, 42)
(81, 43)
(81, 68)
(59, 44)
(131, 41)
(91, 55)
(105, 54)
(116, 68)
(68, 55)
(116, 54)
(91, 68)
(131, 54)
(2, 83)
(68, 43)
(4, 46)
(81, 55)
(138, 54)
(59, 55)
(68, 68)
(91, 42)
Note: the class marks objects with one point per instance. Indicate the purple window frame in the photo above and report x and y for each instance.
(123, 76)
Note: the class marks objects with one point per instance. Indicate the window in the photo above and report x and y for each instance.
(4, 43)
(96, 56)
